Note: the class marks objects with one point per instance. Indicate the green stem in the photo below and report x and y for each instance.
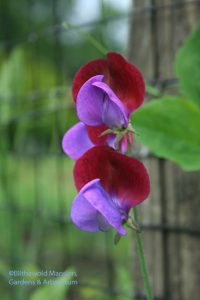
(141, 255)
(88, 37)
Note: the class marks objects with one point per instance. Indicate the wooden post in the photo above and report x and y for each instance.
(172, 251)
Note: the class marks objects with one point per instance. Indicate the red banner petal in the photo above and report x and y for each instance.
(123, 177)
(126, 81)
(94, 67)
(123, 77)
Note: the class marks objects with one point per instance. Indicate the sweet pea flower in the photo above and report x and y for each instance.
(121, 76)
(109, 184)
(106, 92)
(97, 104)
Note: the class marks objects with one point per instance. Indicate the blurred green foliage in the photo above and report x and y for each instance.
(38, 60)
(34, 237)
(187, 67)
(54, 291)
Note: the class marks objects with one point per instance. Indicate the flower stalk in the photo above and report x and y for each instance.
(143, 265)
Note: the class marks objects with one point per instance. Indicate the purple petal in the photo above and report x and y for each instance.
(94, 210)
(89, 102)
(114, 114)
(124, 144)
(83, 214)
(76, 141)
(103, 223)
(111, 140)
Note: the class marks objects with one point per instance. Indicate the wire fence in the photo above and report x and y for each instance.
(28, 227)
(33, 36)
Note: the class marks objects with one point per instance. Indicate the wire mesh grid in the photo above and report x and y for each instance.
(28, 227)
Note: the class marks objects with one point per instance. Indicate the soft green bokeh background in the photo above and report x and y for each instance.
(38, 59)
(36, 186)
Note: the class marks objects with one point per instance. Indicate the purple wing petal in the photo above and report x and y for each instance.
(111, 140)
(84, 215)
(76, 141)
(89, 103)
(103, 223)
(114, 114)
(91, 201)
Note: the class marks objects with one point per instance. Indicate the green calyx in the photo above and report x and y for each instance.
(120, 133)
(130, 223)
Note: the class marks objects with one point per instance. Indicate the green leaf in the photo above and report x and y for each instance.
(170, 128)
(57, 290)
(187, 66)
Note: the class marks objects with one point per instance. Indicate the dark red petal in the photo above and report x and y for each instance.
(94, 67)
(95, 134)
(122, 176)
(126, 81)
(123, 77)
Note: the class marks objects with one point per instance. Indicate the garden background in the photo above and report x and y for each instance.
(42, 45)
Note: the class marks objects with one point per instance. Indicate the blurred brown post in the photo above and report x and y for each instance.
(173, 247)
